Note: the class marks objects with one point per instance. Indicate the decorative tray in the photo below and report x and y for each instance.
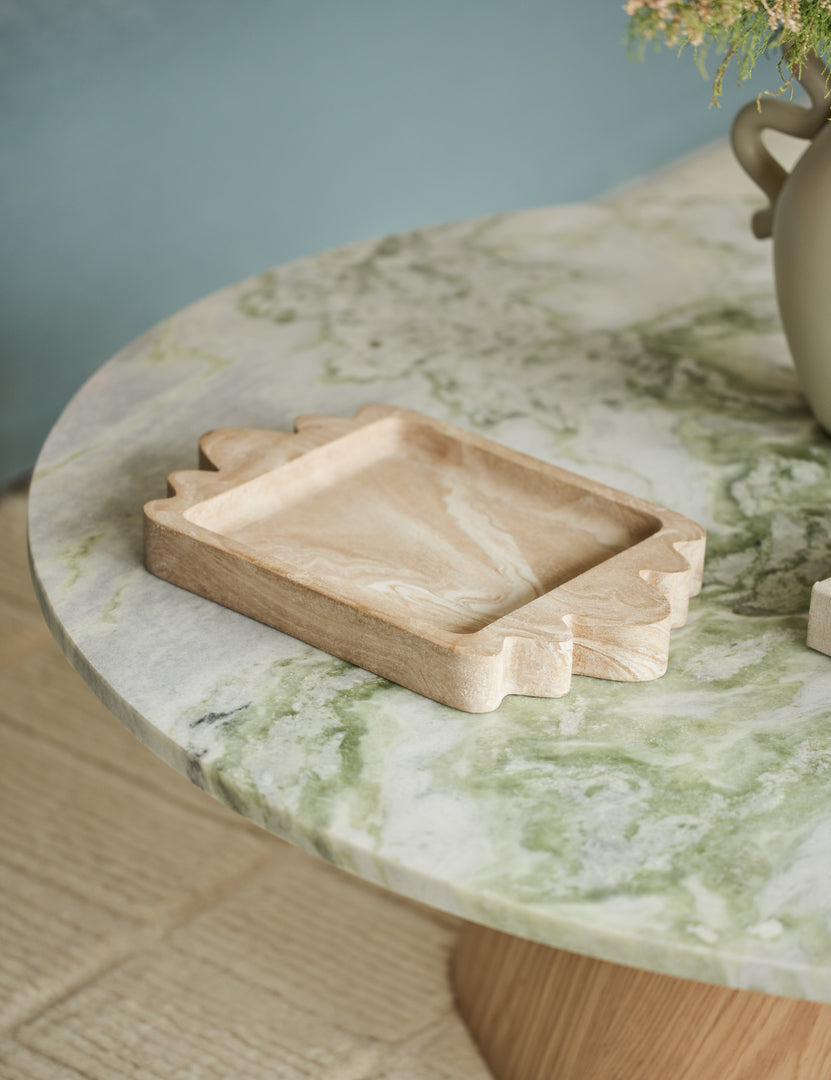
(429, 555)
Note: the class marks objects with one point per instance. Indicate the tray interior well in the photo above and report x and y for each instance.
(421, 527)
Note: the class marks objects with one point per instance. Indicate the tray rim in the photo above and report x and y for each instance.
(673, 550)
(402, 419)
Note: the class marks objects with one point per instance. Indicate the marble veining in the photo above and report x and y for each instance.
(682, 825)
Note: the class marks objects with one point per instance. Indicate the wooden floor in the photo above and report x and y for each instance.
(148, 932)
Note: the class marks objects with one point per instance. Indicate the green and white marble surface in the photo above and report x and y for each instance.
(682, 825)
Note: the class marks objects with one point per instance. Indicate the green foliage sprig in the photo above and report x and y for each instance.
(740, 30)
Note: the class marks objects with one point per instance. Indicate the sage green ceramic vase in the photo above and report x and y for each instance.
(799, 220)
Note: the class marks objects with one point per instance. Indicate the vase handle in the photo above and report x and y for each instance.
(804, 123)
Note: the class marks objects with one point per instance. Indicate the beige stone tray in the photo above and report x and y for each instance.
(432, 556)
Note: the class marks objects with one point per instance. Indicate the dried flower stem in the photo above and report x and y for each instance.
(739, 29)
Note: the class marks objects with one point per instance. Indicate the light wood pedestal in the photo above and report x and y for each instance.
(539, 1013)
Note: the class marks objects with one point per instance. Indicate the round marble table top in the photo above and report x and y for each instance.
(682, 825)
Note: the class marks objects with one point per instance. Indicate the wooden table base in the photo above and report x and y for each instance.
(538, 1013)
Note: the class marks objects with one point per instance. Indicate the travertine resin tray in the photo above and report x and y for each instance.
(427, 554)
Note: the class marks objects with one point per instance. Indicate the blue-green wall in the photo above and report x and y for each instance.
(154, 150)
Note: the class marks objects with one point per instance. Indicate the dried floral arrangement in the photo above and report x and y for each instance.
(740, 30)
